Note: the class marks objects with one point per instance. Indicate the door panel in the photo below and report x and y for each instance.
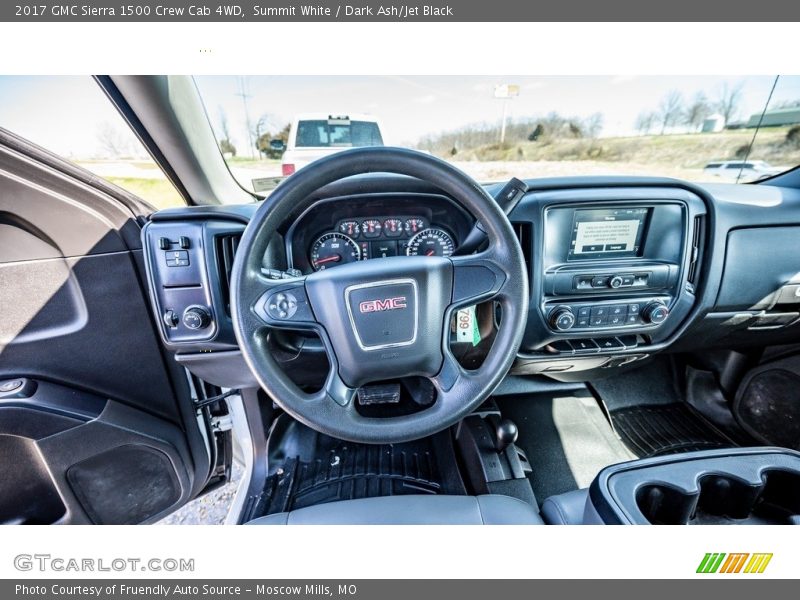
(101, 431)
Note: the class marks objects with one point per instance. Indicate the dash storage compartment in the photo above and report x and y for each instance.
(722, 487)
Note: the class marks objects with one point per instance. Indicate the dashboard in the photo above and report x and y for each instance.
(619, 268)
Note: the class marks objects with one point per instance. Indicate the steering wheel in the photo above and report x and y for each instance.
(381, 319)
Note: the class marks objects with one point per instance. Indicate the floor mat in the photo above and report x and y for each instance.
(655, 430)
(311, 468)
(767, 405)
(566, 437)
(651, 383)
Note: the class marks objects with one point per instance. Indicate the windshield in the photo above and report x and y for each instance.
(696, 128)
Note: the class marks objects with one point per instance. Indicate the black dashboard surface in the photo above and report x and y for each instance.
(705, 322)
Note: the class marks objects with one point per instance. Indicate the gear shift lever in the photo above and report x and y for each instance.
(507, 433)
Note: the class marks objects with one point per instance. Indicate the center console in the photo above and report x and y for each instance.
(614, 271)
(741, 486)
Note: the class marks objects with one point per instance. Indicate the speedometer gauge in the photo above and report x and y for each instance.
(431, 242)
(333, 249)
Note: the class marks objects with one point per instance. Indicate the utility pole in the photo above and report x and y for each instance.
(244, 96)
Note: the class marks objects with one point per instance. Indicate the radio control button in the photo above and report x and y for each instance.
(601, 281)
(615, 282)
(627, 280)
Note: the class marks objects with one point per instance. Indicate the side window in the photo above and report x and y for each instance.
(72, 117)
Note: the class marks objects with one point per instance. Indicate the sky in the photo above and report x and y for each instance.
(71, 116)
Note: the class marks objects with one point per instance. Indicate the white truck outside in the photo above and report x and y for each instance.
(315, 135)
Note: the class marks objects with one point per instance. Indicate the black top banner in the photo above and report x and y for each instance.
(370, 11)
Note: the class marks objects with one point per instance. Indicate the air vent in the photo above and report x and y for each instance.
(225, 246)
(696, 250)
(524, 233)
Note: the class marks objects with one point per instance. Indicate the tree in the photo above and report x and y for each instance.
(698, 110)
(536, 133)
(264, 141)
(670, 110)
(729, 100)
(226, 147)
(113, 142)
(594, 125)
(645, 122)
(225, 144)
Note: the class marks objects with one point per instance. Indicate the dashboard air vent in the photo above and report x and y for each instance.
(524, 233)
(696, 250)
(225, 247)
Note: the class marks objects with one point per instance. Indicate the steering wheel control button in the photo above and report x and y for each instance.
(562, 319)
(196, 317)
(383, 314)
(655, 313)
(282, 305)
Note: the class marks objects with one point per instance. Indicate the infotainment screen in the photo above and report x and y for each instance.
(608, 232)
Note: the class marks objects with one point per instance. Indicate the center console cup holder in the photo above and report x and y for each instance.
(759, 486)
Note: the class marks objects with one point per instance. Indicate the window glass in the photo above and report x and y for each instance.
(72, 117)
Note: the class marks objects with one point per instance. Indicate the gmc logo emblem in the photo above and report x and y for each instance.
(369, 306)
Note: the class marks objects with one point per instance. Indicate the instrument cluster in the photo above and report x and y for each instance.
(364, 238)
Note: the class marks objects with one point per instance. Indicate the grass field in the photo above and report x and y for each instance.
(683, 151)
(159, 193)
(681, 156)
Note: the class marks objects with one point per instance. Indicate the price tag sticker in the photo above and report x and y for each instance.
(467, 326)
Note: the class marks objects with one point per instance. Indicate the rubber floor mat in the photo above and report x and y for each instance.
(337, 470)
(656, 430)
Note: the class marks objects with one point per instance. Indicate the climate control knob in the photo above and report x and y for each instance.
(196, 317)
(562, 319)
(655, 312)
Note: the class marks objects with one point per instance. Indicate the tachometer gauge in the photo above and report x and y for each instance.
(414, 226)
(371, 228)
(333, 249)
(349, 228)
(431, 242)
(393, 227)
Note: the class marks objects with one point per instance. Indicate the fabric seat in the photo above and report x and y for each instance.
(412, 510)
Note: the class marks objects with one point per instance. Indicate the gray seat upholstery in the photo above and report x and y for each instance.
(412, 510)
(566, 509)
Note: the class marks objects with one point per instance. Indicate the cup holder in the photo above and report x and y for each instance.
(723, 499)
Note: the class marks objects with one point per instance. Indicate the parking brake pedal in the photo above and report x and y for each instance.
(382, 393)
